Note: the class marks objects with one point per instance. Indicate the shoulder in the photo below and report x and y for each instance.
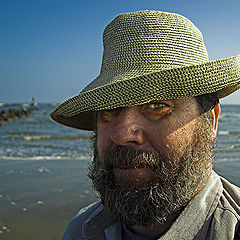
(230, 199)
(74, 228)
(85, 212)
(226, 217)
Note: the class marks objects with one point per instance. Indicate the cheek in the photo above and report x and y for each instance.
(103, 140)
(180, 139)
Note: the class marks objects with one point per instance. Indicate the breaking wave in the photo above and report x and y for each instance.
(80, 157)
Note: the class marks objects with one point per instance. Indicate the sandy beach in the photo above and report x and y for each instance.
(38, 198)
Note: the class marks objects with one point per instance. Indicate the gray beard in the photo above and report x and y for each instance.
(152, 202)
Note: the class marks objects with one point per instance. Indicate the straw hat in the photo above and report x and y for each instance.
(149, 55)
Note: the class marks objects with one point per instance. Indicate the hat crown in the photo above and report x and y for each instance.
(146, 57)
(143, 42)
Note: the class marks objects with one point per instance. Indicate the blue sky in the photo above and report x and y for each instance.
(51, 49)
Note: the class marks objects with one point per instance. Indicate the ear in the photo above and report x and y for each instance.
(215, 114)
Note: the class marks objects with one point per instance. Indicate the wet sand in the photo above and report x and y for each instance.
(38, 198)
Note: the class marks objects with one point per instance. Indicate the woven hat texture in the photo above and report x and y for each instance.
(149, 55)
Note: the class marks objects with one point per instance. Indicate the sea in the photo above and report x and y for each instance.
(43, 170)
(37, 137)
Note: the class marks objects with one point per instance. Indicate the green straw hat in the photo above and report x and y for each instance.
(149, 55)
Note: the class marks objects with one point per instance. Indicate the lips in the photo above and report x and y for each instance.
(132, 176)
(126, 167)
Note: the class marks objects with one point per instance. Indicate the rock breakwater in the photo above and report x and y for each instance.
(13, 114)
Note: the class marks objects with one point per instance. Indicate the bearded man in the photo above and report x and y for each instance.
(154, 111)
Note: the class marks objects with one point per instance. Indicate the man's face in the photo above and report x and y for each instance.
(150, 159)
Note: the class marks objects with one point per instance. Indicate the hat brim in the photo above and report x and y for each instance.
(221, 76)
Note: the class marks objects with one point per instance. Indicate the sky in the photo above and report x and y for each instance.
(51, 49)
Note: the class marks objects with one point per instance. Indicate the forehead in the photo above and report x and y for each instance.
(182, 101)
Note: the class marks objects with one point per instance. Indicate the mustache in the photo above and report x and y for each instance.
(122, 155)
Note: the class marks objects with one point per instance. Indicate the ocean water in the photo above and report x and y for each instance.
(43, 167)
(38, 137)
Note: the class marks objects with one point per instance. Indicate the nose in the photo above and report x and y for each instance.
(126, 127)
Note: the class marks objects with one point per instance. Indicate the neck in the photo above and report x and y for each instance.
(159, 229)
(155, 229)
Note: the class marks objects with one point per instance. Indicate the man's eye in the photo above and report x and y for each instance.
(156, 105)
